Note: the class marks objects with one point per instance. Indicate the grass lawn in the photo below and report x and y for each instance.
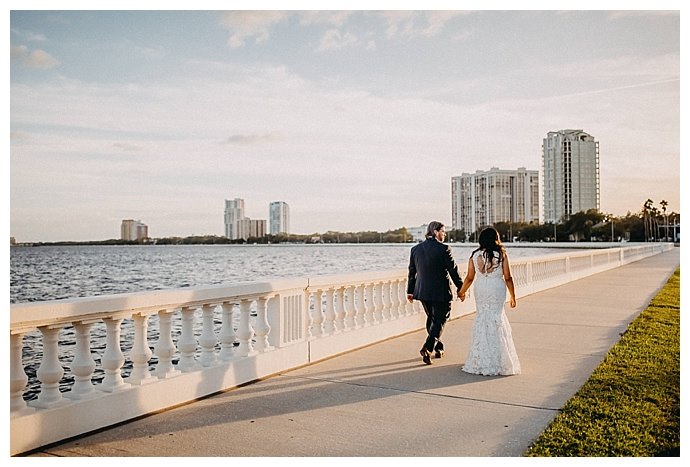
(630, 406)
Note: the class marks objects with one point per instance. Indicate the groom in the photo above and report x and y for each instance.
(431, 263)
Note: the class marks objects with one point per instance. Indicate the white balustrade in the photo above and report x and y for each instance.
(376, 290)
(360, 307)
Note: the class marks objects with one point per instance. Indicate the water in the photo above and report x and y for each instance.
(61, 272)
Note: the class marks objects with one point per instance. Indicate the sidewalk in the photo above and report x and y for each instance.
(383, 401)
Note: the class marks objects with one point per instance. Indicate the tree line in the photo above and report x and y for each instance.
(648, 224)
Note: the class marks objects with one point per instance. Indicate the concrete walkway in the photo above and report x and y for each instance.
(383, 401)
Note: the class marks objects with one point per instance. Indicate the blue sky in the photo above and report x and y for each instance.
(357, 119)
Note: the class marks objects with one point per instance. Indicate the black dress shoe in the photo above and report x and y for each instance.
(426, 356)
(438, 353)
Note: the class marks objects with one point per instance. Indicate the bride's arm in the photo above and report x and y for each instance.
(509, 280)
(468, 280)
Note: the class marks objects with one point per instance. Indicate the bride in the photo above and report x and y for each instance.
(492, 351)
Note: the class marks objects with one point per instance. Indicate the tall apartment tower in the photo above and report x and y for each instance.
(131, 229)
(234, 212)
(570, 164)
(487, 197)
(279, 217)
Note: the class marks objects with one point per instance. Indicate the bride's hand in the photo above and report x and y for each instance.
(513, 303)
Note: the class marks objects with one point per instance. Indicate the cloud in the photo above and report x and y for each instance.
(410, 24)
(127, 147)
(334, 39)
(330, 18)
(252, 139)
(244, 25)
(29, 35)
(35, 59)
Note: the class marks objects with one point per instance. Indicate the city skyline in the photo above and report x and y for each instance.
(359, 118)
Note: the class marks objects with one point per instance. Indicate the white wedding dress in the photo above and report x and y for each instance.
(492, 351)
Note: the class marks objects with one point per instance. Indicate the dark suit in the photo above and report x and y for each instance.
(431, 264)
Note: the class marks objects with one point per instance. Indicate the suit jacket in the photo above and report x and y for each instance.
(431, 264)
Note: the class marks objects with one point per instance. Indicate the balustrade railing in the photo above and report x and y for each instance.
(183, 344)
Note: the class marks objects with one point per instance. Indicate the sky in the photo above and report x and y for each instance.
(357, 118)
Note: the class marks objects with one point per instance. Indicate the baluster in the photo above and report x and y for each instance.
(369, 305)
(350, 310)
(187, 342)
(402, 297)
(340, 309)
(83, 364)
(376, 300)
(360, 306)
(317, 315)
(245, 332)
(113, 358)
(165, 347)
(141, 352)
(50, 371)
(386, 301)
(18, 378)
(208, 339)
(329, 322)
(227, 332)
(262, 328)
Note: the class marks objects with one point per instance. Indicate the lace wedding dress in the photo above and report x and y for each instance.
(492, 351)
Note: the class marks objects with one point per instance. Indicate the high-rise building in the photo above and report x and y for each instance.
(570, 164)
(247, 228)
(133, 230)
(234, 211)
(279, 217)
(487, 197)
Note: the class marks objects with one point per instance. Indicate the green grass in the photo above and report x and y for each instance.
(630, 406)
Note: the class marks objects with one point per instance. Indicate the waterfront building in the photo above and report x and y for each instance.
(234, 211)
(279, 216)
(488, 197)
(570, 164)
(133, 230)
(418, 233)
(247, 228)
(237, 225)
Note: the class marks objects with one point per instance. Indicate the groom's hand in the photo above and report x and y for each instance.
(409, 297)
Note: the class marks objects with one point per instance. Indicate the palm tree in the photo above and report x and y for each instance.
(647, 221)
(663, 203)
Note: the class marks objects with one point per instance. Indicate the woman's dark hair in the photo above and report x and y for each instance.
(490, 242)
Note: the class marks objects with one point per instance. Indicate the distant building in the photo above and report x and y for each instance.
(488, 197)
(234, 211)
(570, 160)
(279, 217)
(133, 230)
(418, 233)
(247, 228)
(237, 225)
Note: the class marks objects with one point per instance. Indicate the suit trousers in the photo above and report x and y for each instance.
(437, 313)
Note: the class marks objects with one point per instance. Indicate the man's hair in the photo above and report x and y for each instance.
(432, 227)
